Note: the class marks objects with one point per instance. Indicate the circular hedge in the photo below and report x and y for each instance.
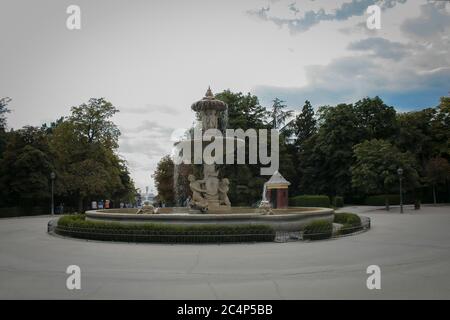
(350, 222)
(78, 227)
(323, 229)
(318, 230)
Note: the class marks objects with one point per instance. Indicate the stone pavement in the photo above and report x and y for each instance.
(412, 250)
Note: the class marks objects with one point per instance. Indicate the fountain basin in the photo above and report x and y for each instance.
(290, 219)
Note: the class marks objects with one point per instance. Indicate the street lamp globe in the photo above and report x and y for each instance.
(399, 171)
(52, 175)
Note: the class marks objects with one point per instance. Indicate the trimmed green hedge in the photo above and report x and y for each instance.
(380, 200)
(338, 202)
(346, 217)
(78, 227)
(394, 199)
(310, 201)
(21, 211)
(351, 222)
(318, 230)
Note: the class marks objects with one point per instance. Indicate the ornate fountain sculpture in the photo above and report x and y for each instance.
(209, 193)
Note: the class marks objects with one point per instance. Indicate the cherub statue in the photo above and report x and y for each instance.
(223, 192)
(147, 208)
(197, 190)
(265, 207)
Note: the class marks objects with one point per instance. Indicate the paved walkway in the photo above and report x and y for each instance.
(412, 250)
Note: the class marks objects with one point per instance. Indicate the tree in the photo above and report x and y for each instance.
(25, 168)
(304, 125)
(244, 111)
(437, 171)
(416, 134)
(91, 122)
(445, 105)
(163, 176)
(278, 115)
(84, 150)
(327, 156)
(3, 111)
(375, 168)
(375, 119)
(83, 169)
(79, 149)
(126, 191)
(441, 127)
(49, 128)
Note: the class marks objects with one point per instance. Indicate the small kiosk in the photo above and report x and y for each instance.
(277, 191)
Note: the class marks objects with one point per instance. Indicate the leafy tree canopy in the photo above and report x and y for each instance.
(92, 122)
(376, 165)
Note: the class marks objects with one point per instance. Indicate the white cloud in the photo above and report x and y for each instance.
(310, 18)
(153, 59)
(409, 74)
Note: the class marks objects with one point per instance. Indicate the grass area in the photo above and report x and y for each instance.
(310, 201)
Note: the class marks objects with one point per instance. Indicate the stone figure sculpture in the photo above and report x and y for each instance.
(223, 192)
(265, 207)
(147, 208)
(197, 201)
(211, 182)
(210, 193)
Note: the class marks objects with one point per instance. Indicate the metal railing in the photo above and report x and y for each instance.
(121, 235)
(335, 232)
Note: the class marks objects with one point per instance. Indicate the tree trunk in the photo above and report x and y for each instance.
(80, 204)
(434, 194)
(386, 201)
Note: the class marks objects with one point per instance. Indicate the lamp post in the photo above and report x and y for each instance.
(52, 177)
(400, 176)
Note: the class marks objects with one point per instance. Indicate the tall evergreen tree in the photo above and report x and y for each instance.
(304, 124)
(278, 114)
(3, 111)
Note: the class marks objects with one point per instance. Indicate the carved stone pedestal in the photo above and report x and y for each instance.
(214, 206)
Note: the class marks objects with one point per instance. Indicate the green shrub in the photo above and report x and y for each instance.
(380, 200)
(22, 211)
(355, 199)
(310, 201)
(317, 230)
(394, 199)
(346, 217)
(77, 226)
(338, 202)
(351, 222)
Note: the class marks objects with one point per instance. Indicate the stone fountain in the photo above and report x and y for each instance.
(209, 203)
(209, 193)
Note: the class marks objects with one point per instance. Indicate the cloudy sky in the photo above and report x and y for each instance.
(152, 59)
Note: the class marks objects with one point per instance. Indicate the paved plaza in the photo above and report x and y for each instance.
(412, 250)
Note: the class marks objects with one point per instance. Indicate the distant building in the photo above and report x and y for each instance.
(277, 191)
(148, 196)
